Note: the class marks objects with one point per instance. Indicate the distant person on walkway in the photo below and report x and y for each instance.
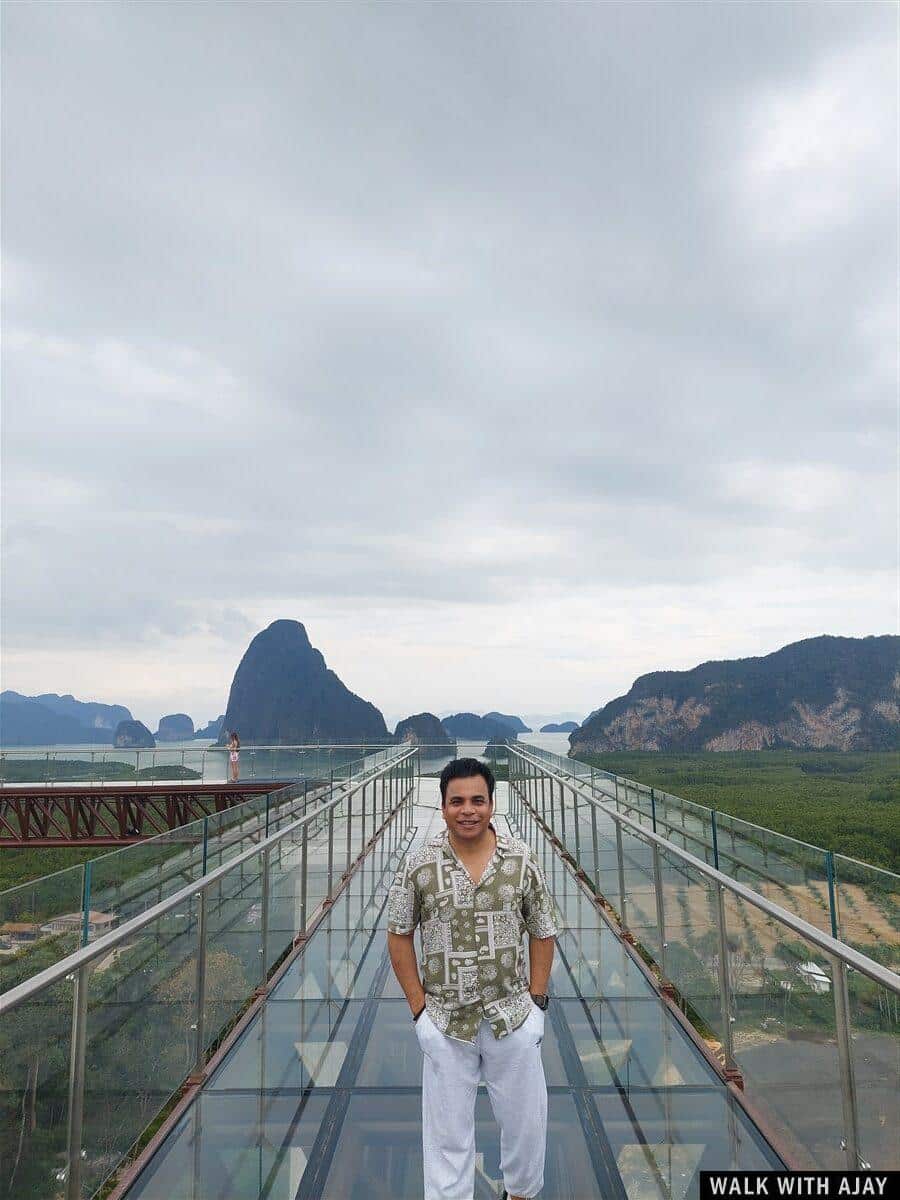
(234, 750)
(474, 892)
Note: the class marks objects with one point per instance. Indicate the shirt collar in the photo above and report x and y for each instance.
(442, 840)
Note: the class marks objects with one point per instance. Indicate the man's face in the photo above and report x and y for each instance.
(467, 807)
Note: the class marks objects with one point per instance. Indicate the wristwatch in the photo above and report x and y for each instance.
(543, 1002)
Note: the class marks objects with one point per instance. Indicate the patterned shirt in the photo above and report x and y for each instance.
(473, 957)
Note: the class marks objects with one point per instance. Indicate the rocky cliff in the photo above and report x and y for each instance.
(474, 728)
(212, 729)
(89, 713)
(283, 693)
(515, 723)
(176, 727)
(133, 735)
(24, 722)
(562, 727)
(423, 729)
(824, 693)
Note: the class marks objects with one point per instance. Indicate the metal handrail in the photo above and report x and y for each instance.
(841, 957)
(87, 954)
(831, 946)
(700, 810)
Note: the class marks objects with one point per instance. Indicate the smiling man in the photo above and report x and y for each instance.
(475, 893)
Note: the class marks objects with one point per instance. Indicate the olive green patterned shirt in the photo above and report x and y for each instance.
(473, 961)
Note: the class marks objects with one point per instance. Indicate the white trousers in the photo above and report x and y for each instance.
(512, 1070)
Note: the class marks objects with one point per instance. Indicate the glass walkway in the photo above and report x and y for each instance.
(320, 1096)
(211, 1015)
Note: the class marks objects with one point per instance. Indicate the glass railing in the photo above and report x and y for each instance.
(98, 765)
(804, 1024)
(96, 1046)
(854, 902)
(47, 918)
(320, 1096)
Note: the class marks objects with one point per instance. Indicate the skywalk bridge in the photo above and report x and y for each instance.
(240, 1034)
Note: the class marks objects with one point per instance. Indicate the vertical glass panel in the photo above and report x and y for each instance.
(606, 870)
(287, 915)
(868, 909)
(875, 1049)
(317, 860)
(35, 1042)
(140, 1040)
(131, 880)
(640, 892)
(233, 945)
(692, 943)
(784, 1033)
(40, 923)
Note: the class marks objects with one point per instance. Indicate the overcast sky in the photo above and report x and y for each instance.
(516, 349)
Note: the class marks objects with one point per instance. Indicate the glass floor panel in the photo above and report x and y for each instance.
(337, 964)
(320, 1097)
(594, 963)
(661, 1140)
(293, 1046)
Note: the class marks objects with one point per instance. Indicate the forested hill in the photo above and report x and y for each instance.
(826, 693)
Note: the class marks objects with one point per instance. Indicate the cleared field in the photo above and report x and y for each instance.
(849, 803)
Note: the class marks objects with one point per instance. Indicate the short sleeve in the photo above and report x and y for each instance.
(537, 906)
(403, 902)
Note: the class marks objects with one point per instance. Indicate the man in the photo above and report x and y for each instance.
(475, 892)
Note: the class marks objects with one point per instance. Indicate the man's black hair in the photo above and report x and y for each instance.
(467, 768)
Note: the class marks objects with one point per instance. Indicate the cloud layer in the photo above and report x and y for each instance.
(514, 349)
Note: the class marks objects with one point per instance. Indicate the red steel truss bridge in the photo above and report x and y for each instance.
(114, 815)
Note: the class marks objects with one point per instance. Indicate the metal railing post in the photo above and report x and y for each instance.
(200, 1013)
(264, 923)
(832, 898)
(76, 1083)
(715, 838)
(330, 852)
(86, 904)
(349, 832)
(845, 1062)
(725, 1000)
(595, 847)
(205, 844)
(577, 831)
(653, 808)
(660, 910)
(620, 855)
(304, 858)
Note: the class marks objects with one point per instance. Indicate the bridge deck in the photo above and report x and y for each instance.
(320, 1096)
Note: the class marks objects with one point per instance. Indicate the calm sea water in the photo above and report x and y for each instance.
(556, 743)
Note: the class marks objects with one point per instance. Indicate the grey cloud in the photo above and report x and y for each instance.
(304, 300)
